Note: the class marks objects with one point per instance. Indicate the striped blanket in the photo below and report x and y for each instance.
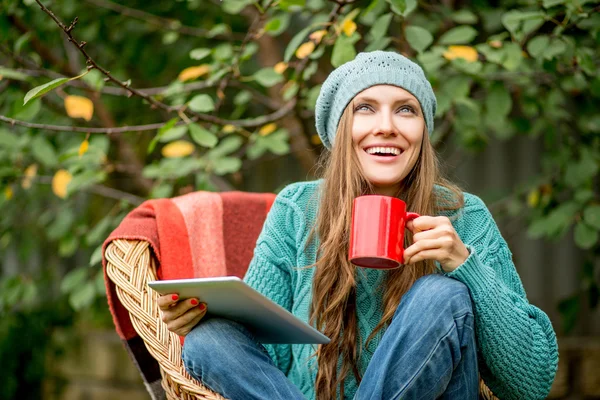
(197, 235)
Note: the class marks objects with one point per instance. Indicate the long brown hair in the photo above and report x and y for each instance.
(333, 308)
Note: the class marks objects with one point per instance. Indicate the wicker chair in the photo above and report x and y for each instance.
(130, 266)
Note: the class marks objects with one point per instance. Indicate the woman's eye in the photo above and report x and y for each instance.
(407, 109)
(362, 107)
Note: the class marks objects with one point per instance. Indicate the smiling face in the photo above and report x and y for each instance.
(387, 133)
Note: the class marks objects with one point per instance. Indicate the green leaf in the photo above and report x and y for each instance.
(538, 45)
(173, 133)
(464, 16)
(43, 151)
(235, 6)
(498, 100)
(82, 296)
(513, 56)
(201, 103)
(556, 48)
(591, 216)
(343, 50)
(226, 165)
(403, 7)
(200, 53)
(295, 42)
(267, 77)
(379, 44)
(418, 38)
(99, 231)
(7, 139)
(286, 4)
(381, 26)
(459, 35)
(577, 173)
(43, 89)
(521, 23)
(276, 142)
(203, 136)
(552, 3)
(226, 147)
(73, 279)
(585, 236)
(7, 73)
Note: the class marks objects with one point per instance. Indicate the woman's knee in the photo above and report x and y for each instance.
(439, 292)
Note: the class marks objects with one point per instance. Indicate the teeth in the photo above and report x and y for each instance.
(384, 150)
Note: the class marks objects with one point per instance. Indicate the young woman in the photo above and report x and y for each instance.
(457, 309)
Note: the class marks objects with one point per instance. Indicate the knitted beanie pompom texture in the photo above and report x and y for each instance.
(366, 70)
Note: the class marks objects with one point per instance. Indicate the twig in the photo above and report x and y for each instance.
(103, 191)
(82, 129)
(252, 31)
(163, 23)
(288, 107)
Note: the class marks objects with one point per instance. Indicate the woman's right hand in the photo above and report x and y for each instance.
(180, 316)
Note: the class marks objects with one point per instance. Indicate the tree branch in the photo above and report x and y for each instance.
(160, 22)
(83, 129)
(104, 191)
(254, 122)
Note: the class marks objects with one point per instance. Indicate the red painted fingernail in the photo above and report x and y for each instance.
(202, 306)
(194, 302)
(175, 297)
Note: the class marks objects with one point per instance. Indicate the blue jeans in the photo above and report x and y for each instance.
(427, 352)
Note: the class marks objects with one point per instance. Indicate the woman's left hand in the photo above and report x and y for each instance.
(435, 239)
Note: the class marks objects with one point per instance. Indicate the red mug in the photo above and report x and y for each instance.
(377, 231)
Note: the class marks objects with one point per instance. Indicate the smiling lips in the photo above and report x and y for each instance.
(389, 152)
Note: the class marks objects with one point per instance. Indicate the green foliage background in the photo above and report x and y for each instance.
(535, 74)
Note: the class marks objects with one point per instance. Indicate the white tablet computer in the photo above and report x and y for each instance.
(229, 297)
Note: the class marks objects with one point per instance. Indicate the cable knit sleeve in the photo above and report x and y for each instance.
(515, 339)
(270, 269)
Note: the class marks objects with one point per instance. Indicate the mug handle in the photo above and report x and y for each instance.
(411, 215)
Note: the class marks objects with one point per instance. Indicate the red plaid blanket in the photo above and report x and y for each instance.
(196, 235)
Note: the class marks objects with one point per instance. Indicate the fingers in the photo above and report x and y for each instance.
(422, 245)
(177, 310)
(186, 322)
(167, 301)
(432, 254)
(425, 223)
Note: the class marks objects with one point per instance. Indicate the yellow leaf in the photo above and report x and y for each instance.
(60, 181)
(315, 139)
(496, 44)
(305, 50)
(317, 36)
(79, 107)
(267, 129)
(228, 128)
(83, 148)
(466, 52)
(193, 72)
(8, 193)
(533, 198)
(30, 173)
(280, 67)
(348, 27)
(179, 148)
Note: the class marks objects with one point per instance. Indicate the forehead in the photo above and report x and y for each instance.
(385, 93)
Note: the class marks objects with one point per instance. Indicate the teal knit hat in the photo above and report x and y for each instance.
(366, 70)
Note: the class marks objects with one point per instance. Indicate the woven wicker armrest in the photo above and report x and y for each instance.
(130, 266)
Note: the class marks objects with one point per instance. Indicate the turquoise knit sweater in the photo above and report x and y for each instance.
(515, 340)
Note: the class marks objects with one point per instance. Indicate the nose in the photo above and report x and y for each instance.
(386, 125)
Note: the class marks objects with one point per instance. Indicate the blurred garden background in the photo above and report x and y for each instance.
(104, 104)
